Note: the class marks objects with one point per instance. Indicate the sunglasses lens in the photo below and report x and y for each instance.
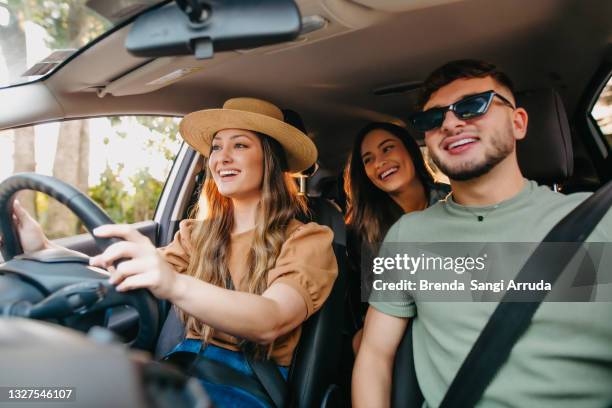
(430, 119)
(472, 107)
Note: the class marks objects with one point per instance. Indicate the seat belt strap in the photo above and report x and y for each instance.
(510, 319)
(217, 373)
(271, 379)
(266, 372)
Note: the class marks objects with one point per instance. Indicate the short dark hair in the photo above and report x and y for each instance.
(459, 69)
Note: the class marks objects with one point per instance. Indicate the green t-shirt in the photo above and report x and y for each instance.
(565, 357)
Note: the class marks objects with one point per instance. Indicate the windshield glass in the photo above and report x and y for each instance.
(38, 35)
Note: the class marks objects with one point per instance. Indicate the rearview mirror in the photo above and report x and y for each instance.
(218, 25)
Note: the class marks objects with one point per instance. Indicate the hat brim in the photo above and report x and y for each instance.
(198, 129)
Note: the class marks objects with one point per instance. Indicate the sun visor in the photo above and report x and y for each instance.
(159, 73)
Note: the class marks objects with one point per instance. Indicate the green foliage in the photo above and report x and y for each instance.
(41, 201)
(117, 122)
(69, 23)
(148, 190)
(167, 127)
(110, 194)
(122, 207)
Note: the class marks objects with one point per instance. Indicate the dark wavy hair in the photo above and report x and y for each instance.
(461, 69)
(371, 211)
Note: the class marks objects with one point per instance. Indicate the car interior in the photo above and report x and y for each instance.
(350, 63)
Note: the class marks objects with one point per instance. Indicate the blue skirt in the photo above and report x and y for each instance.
(226, 395)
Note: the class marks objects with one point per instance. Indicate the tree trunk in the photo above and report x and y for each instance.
(72, 166)
(23, 161)
(13, 44)
(83, 175)
(72, 156)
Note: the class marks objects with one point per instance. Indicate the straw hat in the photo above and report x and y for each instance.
(198, 129)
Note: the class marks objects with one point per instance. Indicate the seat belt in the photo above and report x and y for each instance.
(271, 379)
(268, 385)
(265, 371)
(510, 319)
(216, 373)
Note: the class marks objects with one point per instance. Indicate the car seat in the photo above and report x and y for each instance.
(545, 154)
(315, 371)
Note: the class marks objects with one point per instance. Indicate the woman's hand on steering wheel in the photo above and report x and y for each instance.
(142, 265)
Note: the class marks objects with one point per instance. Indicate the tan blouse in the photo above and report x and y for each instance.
(306, 263)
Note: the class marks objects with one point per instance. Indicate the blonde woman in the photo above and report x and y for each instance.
(245, 271)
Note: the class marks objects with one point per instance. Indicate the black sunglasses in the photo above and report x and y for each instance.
(466, 108)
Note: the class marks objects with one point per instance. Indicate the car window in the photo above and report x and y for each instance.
(36, 36)
(602, 112)
(437, 173)
(120, 162)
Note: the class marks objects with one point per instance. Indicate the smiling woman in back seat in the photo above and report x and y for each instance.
(385, 178)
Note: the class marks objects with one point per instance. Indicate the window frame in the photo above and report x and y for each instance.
(595, 141)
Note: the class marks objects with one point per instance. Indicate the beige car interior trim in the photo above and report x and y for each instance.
(397, 6)
(160, 73)
(353, 15)
(26, 104)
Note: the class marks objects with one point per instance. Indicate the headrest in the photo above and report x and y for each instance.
(545, 155)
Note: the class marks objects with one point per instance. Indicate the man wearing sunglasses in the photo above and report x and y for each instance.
(471, 125)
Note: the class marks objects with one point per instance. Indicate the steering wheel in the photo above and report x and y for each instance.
(92, 216)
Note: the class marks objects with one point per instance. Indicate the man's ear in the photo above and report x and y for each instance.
(519, 123)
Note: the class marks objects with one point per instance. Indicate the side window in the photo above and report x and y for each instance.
(602, 112)
(120, 162)
(436, 172)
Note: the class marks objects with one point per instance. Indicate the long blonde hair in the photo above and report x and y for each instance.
(280, 203)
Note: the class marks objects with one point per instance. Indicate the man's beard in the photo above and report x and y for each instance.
(501, 147)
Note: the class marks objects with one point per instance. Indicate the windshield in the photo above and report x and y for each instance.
(38, 35)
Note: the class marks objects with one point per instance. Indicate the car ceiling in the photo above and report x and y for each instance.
(332, 76)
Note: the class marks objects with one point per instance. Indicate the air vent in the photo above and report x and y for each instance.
(47, 64)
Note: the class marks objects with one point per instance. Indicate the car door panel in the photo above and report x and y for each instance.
(85, 243)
